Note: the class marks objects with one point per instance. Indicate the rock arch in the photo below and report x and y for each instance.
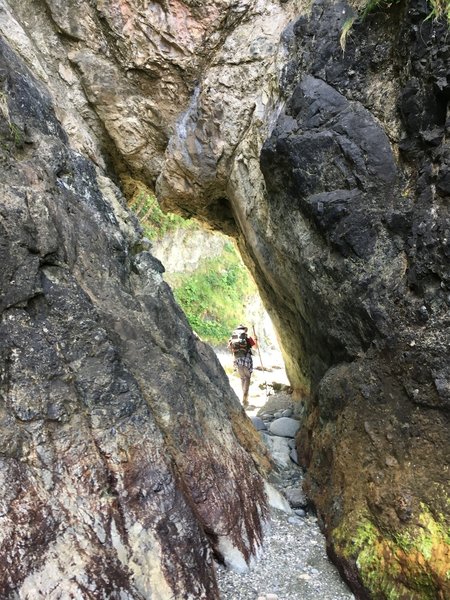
(330, 169)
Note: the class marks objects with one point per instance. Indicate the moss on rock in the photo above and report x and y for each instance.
(412, 563)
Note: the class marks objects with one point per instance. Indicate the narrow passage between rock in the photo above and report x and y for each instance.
(293, 564)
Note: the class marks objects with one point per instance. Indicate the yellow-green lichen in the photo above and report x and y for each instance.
(412, 562)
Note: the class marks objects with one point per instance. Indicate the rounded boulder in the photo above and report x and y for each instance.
(284, 427)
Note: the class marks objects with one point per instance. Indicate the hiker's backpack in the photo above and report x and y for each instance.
(239, 343)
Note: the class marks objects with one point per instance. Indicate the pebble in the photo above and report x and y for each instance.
(295, 520)
(294, 564)
(279, 449)
(258, 423)
(267, 417)
(294, 456)
(296, 497)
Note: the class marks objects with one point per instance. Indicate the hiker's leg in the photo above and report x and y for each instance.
(246, 385)
(245, 375)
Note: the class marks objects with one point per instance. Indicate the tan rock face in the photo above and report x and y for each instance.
(183, 250)
(236, 97)
(129, 69)
(121, 458)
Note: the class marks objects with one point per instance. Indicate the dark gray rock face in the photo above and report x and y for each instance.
(115, 480)
(330, 164)
(356, 172)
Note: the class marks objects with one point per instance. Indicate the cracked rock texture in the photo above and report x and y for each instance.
(121, 442)
(332, 171)
(358, 160)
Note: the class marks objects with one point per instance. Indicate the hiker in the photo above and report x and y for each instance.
(240, 345)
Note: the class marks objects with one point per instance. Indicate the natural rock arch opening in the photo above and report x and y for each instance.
(217, 292)
(335, 220)
(343, 219)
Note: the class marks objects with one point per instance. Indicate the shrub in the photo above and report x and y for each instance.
(438, 9)
(215, 295)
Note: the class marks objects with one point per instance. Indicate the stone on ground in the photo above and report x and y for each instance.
(285, 427)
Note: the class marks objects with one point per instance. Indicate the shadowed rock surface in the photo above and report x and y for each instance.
(120, 464)
(332, 171)
(358, 161)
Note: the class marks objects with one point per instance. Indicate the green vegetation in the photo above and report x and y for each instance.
(214, 297)
(12, 137)
(153, 220)
(16, 134)
(345, 31)
(440, 8)
(417, 556)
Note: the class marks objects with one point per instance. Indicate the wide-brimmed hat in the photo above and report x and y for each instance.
(242, 327)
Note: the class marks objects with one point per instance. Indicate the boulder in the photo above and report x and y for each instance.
(278, 448)
(284, 427)
(296, 498)
(258, 423)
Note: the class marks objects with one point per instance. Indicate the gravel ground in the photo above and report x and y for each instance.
(293, 564)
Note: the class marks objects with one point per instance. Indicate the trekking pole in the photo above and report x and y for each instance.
(260, 358)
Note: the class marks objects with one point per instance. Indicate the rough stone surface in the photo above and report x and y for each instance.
(278, 447)
(358, 162)
(164, 90)
(184, 249)
(296, 498)
(120, 462)
(342, 217)
(348, 238)
(294, 566)
(258, 423)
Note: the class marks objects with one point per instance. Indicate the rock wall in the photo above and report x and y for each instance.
(358, 159)
(122, 455)
(183, 249)
(331, 169)
(347, 234)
